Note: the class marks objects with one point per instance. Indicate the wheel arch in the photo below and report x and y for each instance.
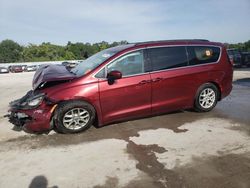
(218, 87)
(196, 104)
(97, 121)
(210, 82)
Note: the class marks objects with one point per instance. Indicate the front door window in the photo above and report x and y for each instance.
(129, 64)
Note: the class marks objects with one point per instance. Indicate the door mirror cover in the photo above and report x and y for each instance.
(113, 75)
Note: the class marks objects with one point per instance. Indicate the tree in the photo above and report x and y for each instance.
(69, 56)
(241, 46)
(10, 51)
(77, 49)
(247, 44)
(103, 45)
(44, 52)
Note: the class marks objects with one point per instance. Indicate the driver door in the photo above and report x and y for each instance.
(130, 96)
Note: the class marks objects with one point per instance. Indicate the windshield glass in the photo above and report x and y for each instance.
(92, 62)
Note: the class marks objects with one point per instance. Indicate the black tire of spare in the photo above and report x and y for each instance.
(64, 107)
(197, 106)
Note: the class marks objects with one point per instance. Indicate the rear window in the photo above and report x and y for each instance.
(202, 54)
(167, 57)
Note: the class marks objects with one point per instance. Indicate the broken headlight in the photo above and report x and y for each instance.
(34, 100)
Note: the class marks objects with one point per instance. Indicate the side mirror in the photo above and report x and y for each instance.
(113, 75)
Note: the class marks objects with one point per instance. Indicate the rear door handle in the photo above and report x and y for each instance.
(157, 79)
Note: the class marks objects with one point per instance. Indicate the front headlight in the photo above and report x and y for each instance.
(36, 101)
(29, 101)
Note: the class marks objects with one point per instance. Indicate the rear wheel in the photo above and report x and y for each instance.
(74, 117)
(206, 98)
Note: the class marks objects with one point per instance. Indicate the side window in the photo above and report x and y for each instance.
(202, 54)
(101, 74)
(168, 57)
(128, 64)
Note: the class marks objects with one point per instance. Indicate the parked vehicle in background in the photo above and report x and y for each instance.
(4, 70)
(37, 66)
(23, 67)
(69, 65)
(235, 57)
(15, 68)
(31, 68)
(245, 58)
(126, 82)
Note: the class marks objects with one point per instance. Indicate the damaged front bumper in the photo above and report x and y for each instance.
(37, 118)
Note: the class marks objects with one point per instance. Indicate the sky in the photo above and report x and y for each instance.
(60, 21)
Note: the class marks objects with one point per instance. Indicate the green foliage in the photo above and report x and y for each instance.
(10, 51)
(44, 52)
(244, 47)
(69, 56)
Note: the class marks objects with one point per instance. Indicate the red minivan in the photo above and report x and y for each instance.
(126, 82)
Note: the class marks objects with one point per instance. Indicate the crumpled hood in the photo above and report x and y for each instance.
(48, 73)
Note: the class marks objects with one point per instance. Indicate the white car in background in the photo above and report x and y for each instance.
(4, 70)
(31, 68)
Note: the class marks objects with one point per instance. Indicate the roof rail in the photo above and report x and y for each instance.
(175, 40)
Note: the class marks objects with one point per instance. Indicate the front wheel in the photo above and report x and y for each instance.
(206, 98)
(74, 117)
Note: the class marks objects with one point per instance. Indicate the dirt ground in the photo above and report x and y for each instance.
(180, 149)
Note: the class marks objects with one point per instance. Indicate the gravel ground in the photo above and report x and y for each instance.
(181, 149)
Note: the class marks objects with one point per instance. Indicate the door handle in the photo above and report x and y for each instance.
(144, 82)
(157, 79)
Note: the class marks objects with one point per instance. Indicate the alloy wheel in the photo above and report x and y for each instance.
(207, 98)
(76, 118)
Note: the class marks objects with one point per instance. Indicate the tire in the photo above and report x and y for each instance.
(206, 98)
(74, 117)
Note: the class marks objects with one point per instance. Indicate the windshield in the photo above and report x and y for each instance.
(92, 62)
